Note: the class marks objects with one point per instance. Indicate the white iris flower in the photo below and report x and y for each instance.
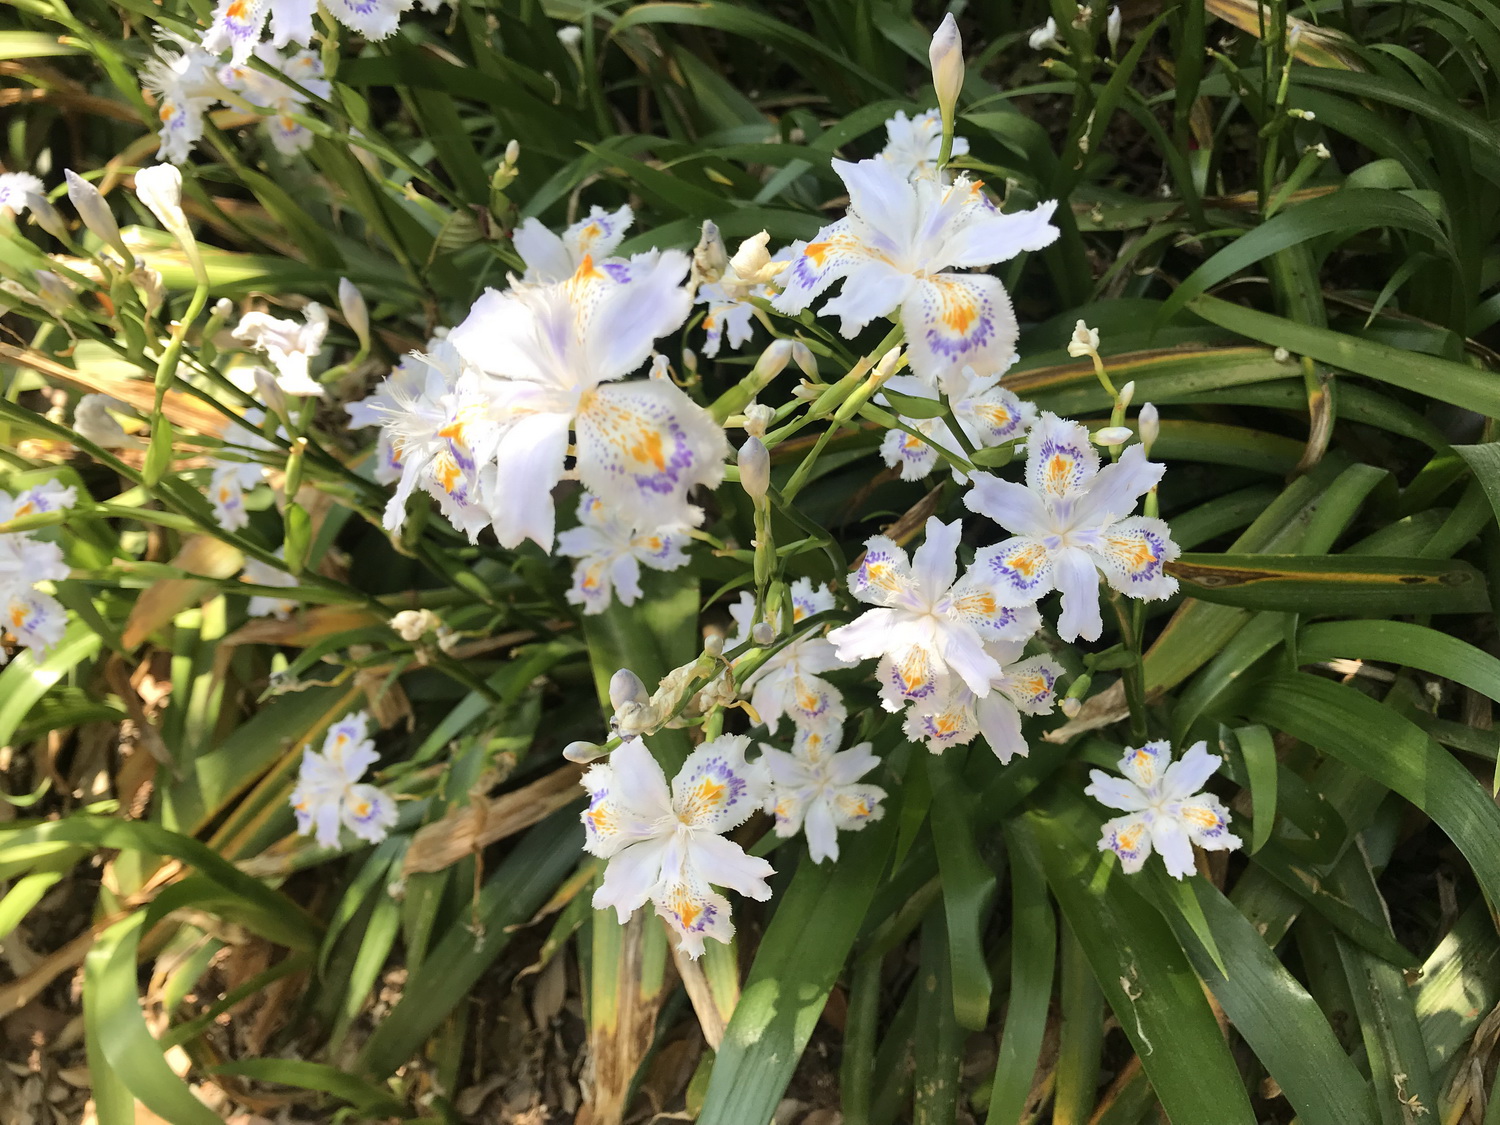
(789, 683)
(816, 789)
(329, 792)
(610, 555)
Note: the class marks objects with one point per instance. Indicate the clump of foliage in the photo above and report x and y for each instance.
(480, 484)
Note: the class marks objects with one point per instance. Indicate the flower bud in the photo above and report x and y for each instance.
(96, 215)
(411, 625)
(1112, 435)
(626, 687)
(763, 633)
(757, 418)
(947, 57)
(1127, 392)
(513, 152)
(690, 361)
(223, 308)
(1294, 37)
(1045, 38)
(803, 357)
(160, 188)
(1149, 425)
(46, 216)
(755, 469)
(713, 645)
(887, 365)
(54, 292)
(352, 304)
(93, 421)
(1085, 341)
(1112, 29)
(1070, 707)
(710, 259)
(582, 752)
(773, 360)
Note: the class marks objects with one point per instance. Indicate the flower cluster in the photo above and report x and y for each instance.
(30, 617)
(329, 792)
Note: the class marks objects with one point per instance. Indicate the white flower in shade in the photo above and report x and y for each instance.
(258, 573)
(1164, 808)
(268, 91)
(610, 555)
(329, 792)
(440, 425)
(374, 19)
(182, 76)
(49, 496)
(666, 845)
(238, 25)
(290, 346)
(232, 477)
(1071, 523)
(900, 247)
(929, 623)
(93, 421)
(790, 683)
(987, 413)
(552, 258)
(729, 317)
(816, 789)
(913, 144)
(551, 354)
(16, 190)
(1023, 687)
(1045, 38)
(30, 619)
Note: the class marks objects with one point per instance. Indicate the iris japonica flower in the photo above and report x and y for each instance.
(329, 791)
(900, 247)
(610, 555)
(929, 624)
(290, 346)
(551, 258)
(988, 414)
(29, 617)
(1164, 808)
(185, 83)
(1023, 687)
(268, 91)
(665, 845)
(913, 144)
(264, 574)
(552, 355)
(790, 683)
(17, 189)
(232, 477)
(816, 789)
(238, 25)
(1071, 523)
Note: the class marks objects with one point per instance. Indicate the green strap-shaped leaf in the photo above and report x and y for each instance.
(1352, 211)
(968, 890)
(115, 1023)
(1399, 642)
(1389, 748)
(799, 959)
(1324, 584)
(1441, 379)
(306, 1075)
(1033, 956)
(1142, 971)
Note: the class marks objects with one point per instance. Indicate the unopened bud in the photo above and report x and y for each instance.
(803, 357)
(1111, 435)
(1302, 114)
(1045, 37)
(223, 308)
(710, 258)
(411, 625)
(946, 54)
(160, 188)
(513, 152)
(46, 216)
(153, 289)
(626, 687)
(1149, 425)
(54, 291)
(93, 421)
(1070, 707)
(1127, 392)
(1294, 37)
(1112, 29)
(582, 752)
(356, 312)
(755, 469)
(96, 215)
(763, 633)
(713, 645)
(690, 361)
(773, 360)
(887, 365)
